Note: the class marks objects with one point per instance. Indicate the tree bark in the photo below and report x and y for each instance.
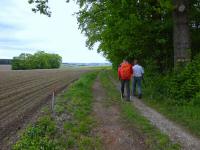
(181, 32)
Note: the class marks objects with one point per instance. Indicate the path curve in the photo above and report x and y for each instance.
(174, 131)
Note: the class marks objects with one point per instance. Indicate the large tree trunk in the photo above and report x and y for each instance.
(182, 46)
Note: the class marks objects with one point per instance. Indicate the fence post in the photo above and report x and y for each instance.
(52, 103)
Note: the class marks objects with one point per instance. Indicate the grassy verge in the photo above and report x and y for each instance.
(85, 67)
(187, 115)
(71, 127)
(155, 140)
(176, 94)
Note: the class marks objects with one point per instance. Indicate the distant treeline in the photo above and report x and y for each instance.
(39, 60)
(5, 61)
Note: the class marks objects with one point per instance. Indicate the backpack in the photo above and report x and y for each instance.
(125, 71)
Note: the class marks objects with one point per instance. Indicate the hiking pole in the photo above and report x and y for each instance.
(143, 81)
(120, 90)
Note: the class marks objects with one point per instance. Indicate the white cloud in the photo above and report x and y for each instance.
(27, 31)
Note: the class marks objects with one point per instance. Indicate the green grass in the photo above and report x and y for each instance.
(72, 125)
(187, 115)
(38, 136)
(85, 67)
(154, 139)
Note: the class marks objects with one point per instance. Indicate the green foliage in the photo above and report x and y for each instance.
(131, 28)
(188, 81)
(39, 60)
(41, 6)
(38, 136)
(182, 85)
(196, 99)
(177, 94)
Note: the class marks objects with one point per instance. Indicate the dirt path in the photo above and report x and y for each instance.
(175, 132)
(113, 133)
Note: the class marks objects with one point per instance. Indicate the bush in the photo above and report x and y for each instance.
(181, 86)
(39, 60)
(38, 136)
(185, 84)
(196, 100)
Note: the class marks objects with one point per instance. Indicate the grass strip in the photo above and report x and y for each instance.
(154, 139)
(71, 127)
(187, 115)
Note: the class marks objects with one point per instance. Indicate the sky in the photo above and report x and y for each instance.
(22, 31)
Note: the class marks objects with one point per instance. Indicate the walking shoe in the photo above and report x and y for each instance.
(140, 96)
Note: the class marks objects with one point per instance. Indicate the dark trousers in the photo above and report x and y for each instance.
(125, 83)
(137, 81)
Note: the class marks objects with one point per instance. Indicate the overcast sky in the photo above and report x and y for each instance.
(21, 30)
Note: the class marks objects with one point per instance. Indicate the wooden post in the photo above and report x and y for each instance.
(52, 103)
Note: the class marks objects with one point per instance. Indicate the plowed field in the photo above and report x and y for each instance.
(5, 67)
(23, 92)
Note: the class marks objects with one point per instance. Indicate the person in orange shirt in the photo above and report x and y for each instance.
(125, 73)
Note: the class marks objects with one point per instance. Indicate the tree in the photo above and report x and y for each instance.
(133, 29)
(40, 60)
(194, 18)
(139, 29)
(41, 6)
(182, 41)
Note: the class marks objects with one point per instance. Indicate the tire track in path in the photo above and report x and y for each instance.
(112, 132)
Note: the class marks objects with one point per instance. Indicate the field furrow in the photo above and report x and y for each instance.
(22, 93)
